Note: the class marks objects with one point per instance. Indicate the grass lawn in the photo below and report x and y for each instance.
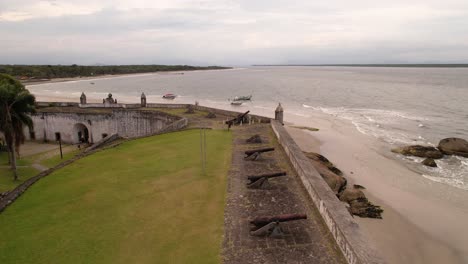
(6, 174)
(145, 201)
(25, 171)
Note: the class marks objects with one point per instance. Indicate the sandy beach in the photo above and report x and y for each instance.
(423, 221)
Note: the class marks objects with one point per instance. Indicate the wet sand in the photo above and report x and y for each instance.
(423, 221)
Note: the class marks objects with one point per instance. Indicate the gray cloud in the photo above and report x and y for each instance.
(233, 32)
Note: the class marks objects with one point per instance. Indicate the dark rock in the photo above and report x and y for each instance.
(190, 110)
(328, 171)
(336, 183)
(359, 205)
(254, 139)
(325, 161)
(357, 186)
(429, 162)
(454, 146)
(211, 115)
(419, 151)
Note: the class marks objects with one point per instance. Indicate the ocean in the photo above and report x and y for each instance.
(396, 106)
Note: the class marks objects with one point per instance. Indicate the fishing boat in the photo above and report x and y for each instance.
(242, 98)
(236, 103)
(169, 96)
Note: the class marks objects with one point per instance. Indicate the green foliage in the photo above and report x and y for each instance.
(145, 201)
(67, 71)
(16, 103)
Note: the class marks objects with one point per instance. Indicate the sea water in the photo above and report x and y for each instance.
(396, 106)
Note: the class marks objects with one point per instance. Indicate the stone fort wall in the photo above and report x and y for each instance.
(126, 123)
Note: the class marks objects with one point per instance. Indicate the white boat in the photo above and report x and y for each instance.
(243, 98)
(236, 103)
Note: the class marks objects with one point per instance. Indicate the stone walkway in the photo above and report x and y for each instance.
(305, 241)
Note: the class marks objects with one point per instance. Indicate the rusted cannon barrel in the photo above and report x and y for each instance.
(238, 118)
(261, 221)
(268, 175)
(250, 152)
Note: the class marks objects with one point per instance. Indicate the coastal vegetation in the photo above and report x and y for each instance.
(16, 103)
(144, 201)
(31, 72)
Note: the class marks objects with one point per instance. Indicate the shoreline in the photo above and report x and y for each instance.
(109, 76)
(425, 218)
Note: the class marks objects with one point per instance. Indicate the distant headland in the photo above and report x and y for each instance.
(40, 73)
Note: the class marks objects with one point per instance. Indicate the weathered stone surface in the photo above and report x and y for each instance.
(3, 194)
(419, 151)
(254, 139)
(345, 230)
(454, 146)
(359, 205)
(69, 121)
(429, 162)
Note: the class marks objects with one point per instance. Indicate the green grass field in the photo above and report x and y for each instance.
(145, 201)
(6, 174)
(25, 171)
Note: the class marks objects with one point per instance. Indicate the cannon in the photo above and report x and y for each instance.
(236, 120)
(259, 181)
(270, 225)
(255, 153)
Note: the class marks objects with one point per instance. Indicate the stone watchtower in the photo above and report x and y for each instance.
(143, 100)
(279, 114)
(83, 98)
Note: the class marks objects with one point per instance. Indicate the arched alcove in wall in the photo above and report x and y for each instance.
(81, 134)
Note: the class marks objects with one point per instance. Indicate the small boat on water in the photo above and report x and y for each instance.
(242, 98)
(169, 96)
(91, 83)
(236, 103)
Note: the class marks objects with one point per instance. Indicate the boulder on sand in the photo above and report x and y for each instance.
(324, 161)
(429, 162)
(359, 205)
(326, 170)
(419, 151)
(454, 146)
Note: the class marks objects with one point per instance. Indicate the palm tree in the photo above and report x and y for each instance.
(16, 103)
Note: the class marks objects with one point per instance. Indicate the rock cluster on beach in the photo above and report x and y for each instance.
(447, 146)
(454, 146)
(353, 196)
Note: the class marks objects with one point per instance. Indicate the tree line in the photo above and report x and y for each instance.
(68, 71)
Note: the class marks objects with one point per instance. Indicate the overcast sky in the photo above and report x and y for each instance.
(233, 32)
